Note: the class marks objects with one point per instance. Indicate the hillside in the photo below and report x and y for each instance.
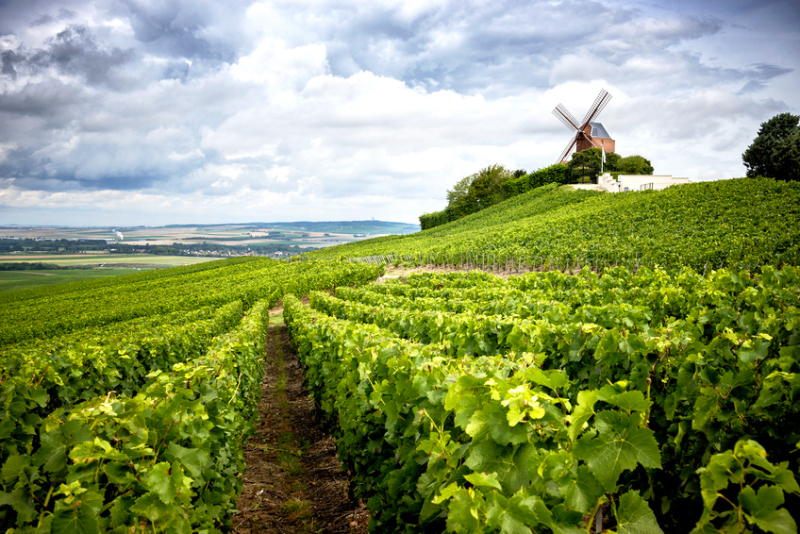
(741, 223)
(655, 399)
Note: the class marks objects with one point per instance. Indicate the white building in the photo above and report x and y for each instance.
(632, 182)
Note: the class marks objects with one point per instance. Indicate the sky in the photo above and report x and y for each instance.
(139, 112)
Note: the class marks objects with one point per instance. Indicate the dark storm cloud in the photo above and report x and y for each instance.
(72, 51)
(75, 51)
(178, 27)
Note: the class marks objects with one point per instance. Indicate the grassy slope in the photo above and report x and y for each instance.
(740, 222)
(14, 280)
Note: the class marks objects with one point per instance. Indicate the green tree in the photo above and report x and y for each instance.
(480, 187)
(458, 194)
(775, 152)
(787, 159)
(588, 162)
(486, 184)
(634, 165)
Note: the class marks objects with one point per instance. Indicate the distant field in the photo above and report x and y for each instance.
(142, 260)
(14, 280)
(303, 234)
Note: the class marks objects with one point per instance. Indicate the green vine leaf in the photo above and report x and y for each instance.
(619, 446)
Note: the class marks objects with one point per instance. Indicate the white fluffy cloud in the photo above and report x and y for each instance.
(132, 112)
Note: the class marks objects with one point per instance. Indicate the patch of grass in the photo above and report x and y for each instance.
(280, 387)
(298, 508)
(287, 439)
(289, 463)
(298, 487)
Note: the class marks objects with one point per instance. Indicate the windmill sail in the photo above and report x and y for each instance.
(588, 133)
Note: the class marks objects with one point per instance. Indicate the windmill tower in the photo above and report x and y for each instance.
(588, 133)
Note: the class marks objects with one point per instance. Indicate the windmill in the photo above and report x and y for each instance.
(588, 134)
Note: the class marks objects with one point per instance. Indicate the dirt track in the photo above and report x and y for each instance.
(294, 482)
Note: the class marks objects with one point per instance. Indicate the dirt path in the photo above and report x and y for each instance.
(294, 483)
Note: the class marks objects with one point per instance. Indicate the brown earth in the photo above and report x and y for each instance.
(293, 483)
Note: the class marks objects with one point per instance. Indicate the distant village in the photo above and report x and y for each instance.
(25, 245)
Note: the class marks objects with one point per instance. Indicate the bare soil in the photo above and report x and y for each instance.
(293, 483)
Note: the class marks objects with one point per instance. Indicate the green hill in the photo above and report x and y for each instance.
(459, 402)
(740, 223)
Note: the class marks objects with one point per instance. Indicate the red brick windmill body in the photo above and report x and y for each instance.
(588, 133)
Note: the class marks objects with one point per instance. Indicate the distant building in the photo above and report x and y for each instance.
(633, 182)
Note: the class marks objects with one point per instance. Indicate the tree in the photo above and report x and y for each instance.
(634, 165)
(787, 158)
(487, 183)
(588, 162)
(458, 194)
(479, 187)
(775, 152)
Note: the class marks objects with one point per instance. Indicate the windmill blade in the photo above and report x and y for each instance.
(599, 105)
(566, 117)
(567, 150)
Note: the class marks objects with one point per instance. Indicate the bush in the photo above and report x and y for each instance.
(634, 165)
(430, 220)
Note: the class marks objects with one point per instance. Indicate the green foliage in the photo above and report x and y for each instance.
(431, 220)
(460, 206)
(472, 193)
(51, 311)
(485, 186)
(32, 266)
(588, 162)
(633, 165)
(758, 492)
(557, 173)
(479, 187)
(122, 426)
(775, 152)
(742, 223)
(458, 397)
(458, 194)
(495, 184)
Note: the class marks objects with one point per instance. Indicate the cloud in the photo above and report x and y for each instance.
(254, 110)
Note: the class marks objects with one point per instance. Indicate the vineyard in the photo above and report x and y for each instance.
(741, 223)
(637, 374)
(552, 402)
(126, 401)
